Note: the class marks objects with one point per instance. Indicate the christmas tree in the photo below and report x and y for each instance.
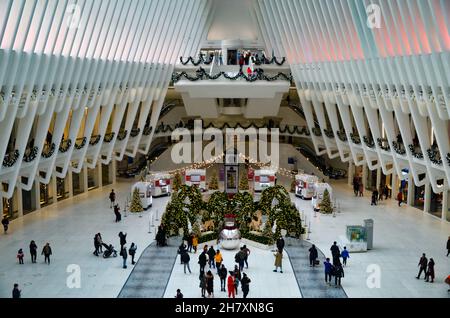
(231, 182)
(243, 184)
(176, 182)
(136, 204)
(325, 205)
(213, 183)
(293, 184)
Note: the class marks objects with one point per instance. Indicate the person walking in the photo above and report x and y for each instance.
(280, 244)
(210, 284)
(247, 254)
(240, 258)
(237, 278)
(230, 285)
(96, 247)
(345, 254)
(448, 246)
(181, 250)
(355, 185)
(278, 261)
(124, 254)
(338, 274)
(179, 294)
(328, 271)
(211, 254)
(400, 197)
(47, 251)
(313, 254)
(100, 243)
(194, 243)
(117, 213)
(202, 279)
(122, 239)
(20, 256)
(335, 252)
(245, 282)
(185, 260)
(423, 265)
(5, 222)
(112, 198)
(361, 189)
(218, 260)
(223, 272)
(16, 292)
(202, 260)
(189, 241)
(33, 251)
(132, 252)
(430, 271)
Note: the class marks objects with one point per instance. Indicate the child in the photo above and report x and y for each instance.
(20, 256)
(345, 254)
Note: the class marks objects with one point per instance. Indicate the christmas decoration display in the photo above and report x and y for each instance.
(265, 60)
(398, 148)
(213, 183)
(258, 74)
(147, 130)
(65, 145)
(329, 133)
(341, 135)
(10, 159)
(49, 152)
(135, 132)
(122, 134)
(434, 156)
(82, 144)
(448, 158)
(176, 182)
(316, 131)
(293, 184)
(325, 205)
(32, 155)
(355, 138)
(369, 142)
(176, 216)
(109, 137)
(136, 204)
(200, 60)
(383, 144)
(415, 154)
(243, 183)
(95, 140)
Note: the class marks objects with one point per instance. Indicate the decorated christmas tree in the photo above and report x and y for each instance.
(243, 184)
(325, 205)
(136, 204)
(176, 182)
(293, 184)
(214, 183)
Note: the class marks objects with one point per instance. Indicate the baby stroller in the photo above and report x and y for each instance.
(109, 250)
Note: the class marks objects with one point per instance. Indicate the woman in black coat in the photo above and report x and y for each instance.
(312, 256)
(33, 251)
(123, 239)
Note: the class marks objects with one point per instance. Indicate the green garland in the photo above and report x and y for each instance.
(30, 157)
(50, 152)
(10, 159)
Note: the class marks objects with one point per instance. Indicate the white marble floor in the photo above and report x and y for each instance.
(264, 282)
(401, 235)
(70, 226)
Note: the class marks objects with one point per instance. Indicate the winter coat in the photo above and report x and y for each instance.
(211, 253)
(223, 272)
(33, 248)
(313, 253)
(448, 244)
(335, 251)
(132, 249)
(423, 262)
(328, 267)
(202, 259)
(194, 241)
(47, 250)
(5, 221)
(345, 254)
(280, 244)
(339, 271)
(431, 268)
(230, 282)
(112, 196)
(278, 259)
(185, 257)
(245, 283)
(202, 279)
(123, 239)
(218, 258)
(124, 253)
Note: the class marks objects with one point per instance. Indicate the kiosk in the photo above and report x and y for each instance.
(304, 186)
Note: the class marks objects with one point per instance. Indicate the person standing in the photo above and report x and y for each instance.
(335, 252)
(112, 198)
(194, 243)
(185, 260)
(241, 62)
(179, 294)
(123, 239)
(33, 251)
(189, 241)
(117, 213)
(47, 251)
(245, 282)
(361, 189)
(313, 254)
(237, 278)
(278, 261)
(423, 265)
(240, 257)
(96, 245)
(124, 254)
(338, 273)
(202, 285)
(218, 260)
(430, 271)
(100, 243)
(210, 284)
(16, 292)
(20, 256)
(246, 254)
(202, 260)
(230, 285)
(211, 254)
(181, 250)
(223, 272)
(345, 254)
(280, 244)
(400, 197)
(448, 246)
(5, 222)
(328, 270)
(132, 252)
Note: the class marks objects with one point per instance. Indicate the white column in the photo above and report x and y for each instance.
(445, 201)
(69, 180)
(426, 207)
(37, 193)
(84, 175)
(19, 202)
(410, 198)
(377, 185)
(350, 173)
(99, 174)
(53, 187)
(113, 170)
(394, 185)
(364, 175)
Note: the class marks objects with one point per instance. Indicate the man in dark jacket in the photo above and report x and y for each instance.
(47, 251)
(280, 244)
(202, 259)
(185, 260)
(223, 273)
(245, 283)
(16, 292)
(335, 252)
(312, 256)
(112, 198)
(123, 239)
(423, 262)
(181, 250)
(33, 251)
(448, 246)
(338, 274)
(124, 254)
(5, 223)
(211, 254)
